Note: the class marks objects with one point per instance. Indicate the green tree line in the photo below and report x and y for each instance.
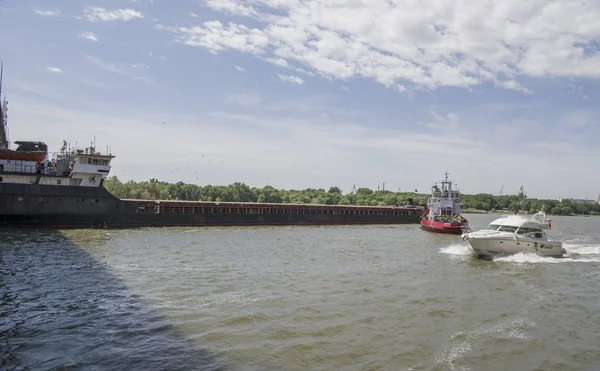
(240, 192)
(488, 202)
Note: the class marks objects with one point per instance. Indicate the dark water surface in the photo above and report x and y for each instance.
(295, 298)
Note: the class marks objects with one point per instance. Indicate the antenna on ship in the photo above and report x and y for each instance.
(3, 113)
(1, 74)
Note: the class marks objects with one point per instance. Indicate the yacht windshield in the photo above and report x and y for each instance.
(493, 227)
(508, 228)
(524, 230)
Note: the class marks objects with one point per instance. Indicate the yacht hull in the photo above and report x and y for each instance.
(492, 247)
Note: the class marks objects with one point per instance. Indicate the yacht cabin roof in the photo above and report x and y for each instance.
(515, 221)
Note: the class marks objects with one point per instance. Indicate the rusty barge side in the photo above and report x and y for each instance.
(158, 213)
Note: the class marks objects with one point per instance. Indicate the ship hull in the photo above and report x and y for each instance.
(39, 206)
(73, 222)
(441, 227)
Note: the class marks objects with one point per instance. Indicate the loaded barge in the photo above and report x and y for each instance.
(66, 190)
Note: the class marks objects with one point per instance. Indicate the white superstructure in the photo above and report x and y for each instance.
(77, 167)
(445, 203)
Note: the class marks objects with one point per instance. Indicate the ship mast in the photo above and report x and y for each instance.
(3, 113)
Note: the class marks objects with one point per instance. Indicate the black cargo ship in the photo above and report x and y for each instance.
(38, 205)
(66, 190)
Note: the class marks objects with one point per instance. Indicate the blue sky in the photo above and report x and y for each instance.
(299, 94)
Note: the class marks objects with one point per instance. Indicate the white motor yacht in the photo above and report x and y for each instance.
(514, 234)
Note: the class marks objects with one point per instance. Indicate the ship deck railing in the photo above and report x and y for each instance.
(19, 169)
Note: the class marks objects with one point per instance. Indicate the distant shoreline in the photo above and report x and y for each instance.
(508, 212)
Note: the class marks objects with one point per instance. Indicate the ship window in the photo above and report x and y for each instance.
(507, 228)
(89, 161)
(493, 227)
(58, 181)
(524, 230)
(0, 178)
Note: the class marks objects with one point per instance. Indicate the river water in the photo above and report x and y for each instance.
(295, 298)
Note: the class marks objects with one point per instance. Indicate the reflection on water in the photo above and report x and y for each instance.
(61, 309)
(297, 298)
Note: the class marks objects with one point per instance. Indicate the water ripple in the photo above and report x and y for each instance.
(290, 298)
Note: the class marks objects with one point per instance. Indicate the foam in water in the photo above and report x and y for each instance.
(526, 257)
(582, 249)
(572, 256)
(460, 343)
(457, 249)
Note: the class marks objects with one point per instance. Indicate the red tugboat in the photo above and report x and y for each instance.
(443, 214)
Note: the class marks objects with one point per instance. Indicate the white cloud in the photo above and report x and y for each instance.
(579, 119)
(291, 79)
(406, 45)
(444, 122)
(241, 69)
(567, 149)
(140, 66)
(133, 71)
(45, 12)
(278, 62)
(107, 66)
(151, 55)
(246, 98)
(88, 36)
(215, 37)
(232, 7)
(96, 14)
(54, 70)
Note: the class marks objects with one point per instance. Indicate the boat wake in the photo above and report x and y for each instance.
(575, 254)
(457, 249)
(582, 249)
(578, 253)
(453, 353)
